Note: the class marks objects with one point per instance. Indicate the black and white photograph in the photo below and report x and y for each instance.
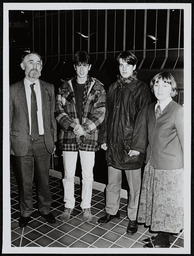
(96, 128)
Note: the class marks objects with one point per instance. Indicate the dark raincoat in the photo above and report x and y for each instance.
(125, 123)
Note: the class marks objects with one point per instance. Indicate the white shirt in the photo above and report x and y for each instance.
(27, 84)
(164, 103)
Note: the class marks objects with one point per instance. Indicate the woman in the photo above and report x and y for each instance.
(161, 200)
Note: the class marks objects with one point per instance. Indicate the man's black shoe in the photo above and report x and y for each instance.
(108, 217)
(132, 227)
(23, 221)
(49, 217)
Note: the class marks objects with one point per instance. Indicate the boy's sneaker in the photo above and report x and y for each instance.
(65, 216)
(87, 215)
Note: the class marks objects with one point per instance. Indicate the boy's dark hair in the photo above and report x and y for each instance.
(129, 57)
(81, 57)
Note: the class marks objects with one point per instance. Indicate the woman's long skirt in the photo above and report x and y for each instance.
(161, 204)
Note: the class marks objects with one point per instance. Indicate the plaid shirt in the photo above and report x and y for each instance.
(93, 114)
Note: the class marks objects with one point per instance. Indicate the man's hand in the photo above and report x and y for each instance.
(133, 153)
(54, 149)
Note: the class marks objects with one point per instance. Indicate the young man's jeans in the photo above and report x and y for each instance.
(87, 163)
(113, 190)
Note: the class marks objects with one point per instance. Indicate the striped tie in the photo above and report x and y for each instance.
(158, 111)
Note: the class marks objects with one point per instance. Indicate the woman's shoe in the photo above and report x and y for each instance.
(153, 244)
(147, 240)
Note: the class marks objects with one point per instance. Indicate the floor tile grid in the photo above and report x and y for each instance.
(118, 223)
(123, 209)
(39, 225)
(15, 213)
(96, 194)
(146, 230)
(105, 233)
(80, 217)
(109, 230)
(74, 227)
(29, 230)
(89, 245)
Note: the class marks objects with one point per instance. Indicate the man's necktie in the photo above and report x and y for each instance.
(158, 111)
(34, 109)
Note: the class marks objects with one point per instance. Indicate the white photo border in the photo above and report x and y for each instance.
(6, 247)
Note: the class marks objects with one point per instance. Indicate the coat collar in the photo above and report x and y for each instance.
(22, 96)
(126, 81)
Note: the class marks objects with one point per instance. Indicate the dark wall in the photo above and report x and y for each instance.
(100, 168)
(53, 34)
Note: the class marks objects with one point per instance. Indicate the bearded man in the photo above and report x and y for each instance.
(32, 137)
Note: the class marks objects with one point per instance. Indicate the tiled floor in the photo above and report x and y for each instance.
(75, 233)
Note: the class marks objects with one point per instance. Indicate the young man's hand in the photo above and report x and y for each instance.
(133, 153)
(104, 146)
(79, 130)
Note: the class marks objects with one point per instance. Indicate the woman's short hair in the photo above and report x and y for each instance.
(128, 57)
(167, 77)
(81, 57)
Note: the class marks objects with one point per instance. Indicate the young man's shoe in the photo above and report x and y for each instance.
(87, 215)
(132, 227)
(108, 217)
(66, 215)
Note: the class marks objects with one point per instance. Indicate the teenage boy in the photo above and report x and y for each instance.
(125, 138)
(80, 111)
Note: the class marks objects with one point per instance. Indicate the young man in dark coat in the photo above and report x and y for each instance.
(125, 138)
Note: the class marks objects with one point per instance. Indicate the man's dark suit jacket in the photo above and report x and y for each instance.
(19, 120)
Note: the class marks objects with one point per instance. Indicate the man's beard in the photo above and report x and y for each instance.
(34, 73)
